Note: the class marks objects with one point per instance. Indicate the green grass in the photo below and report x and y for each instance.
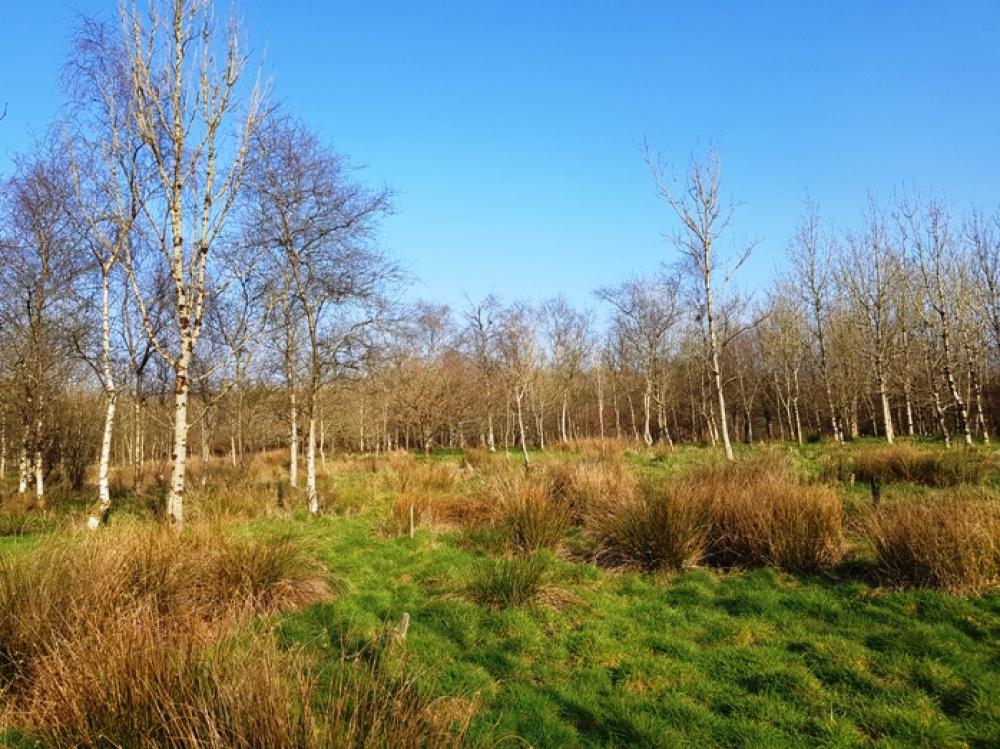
(752, 659)
(614, 659)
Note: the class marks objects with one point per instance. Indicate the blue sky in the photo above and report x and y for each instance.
(510, 130)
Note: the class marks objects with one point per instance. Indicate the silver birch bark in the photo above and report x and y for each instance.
(183, 108)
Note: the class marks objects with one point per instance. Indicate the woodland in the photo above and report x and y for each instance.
(689, 514)
(188, 270)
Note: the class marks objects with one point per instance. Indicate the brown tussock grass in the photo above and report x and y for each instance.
(949, 543)
(907, 463)
(656, 527)
(761, 514)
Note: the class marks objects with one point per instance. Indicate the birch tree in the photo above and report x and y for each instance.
(809, 252)
(927, 232)
(319, 225)
(481, 334)
(184, 76)
(870, 274)
(103, 149)
(517, 344)
(40, 272)
(645, 313)
(704, 215)
(568, 333)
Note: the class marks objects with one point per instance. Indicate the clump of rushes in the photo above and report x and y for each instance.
(201, 582)
(478, 459)
(910, 464)
(659, 527)
(950, 544)
(410, 509)
(140, 683)
(761, 515)
(581, 484)
(532, 518)
(510, 582)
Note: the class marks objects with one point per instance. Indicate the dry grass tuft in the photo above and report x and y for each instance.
(950, 543)
(405, 474)
(906, 463)
(761, 514)
(659, 527)
(68, 589)
(582, 484)
(133, 639)
(479, 460)
(142, 684)
(528, 512)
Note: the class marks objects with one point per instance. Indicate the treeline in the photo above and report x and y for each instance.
(889, 328)
(178, 251)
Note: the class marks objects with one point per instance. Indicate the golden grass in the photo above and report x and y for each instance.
(949, 543)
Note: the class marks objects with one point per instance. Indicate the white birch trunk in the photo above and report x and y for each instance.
(22, 469)
(175, 500)
(311, 493)
(600, 403)
(103, 485)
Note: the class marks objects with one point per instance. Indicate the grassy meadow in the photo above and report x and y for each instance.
(610, 596)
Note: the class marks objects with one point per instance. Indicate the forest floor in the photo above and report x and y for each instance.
(554, 648)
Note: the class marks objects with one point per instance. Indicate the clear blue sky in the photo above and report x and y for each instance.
(510, 129)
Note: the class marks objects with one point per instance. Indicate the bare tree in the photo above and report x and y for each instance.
(926, 230)
(319, 225)
(183, 74)
(783, 338)
(809, 252)
(568, 333)
(40, 272)
(704, 215)
(103, 149)
(870, 274)
(517, 344)
(645, 312)
(481, 334)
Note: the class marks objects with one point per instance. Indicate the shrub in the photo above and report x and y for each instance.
(759, 514)
(510, 582)
(660, 527)
(950, 544)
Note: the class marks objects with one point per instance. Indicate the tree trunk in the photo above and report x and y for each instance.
(293, 416)
(600, 402)
(175, 500)
(205, 451)
(22, 466)
(311, 494)
(647, 403)
(104, 489)
(519, 397)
